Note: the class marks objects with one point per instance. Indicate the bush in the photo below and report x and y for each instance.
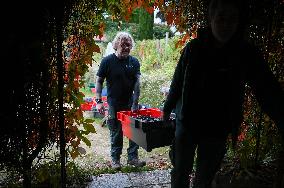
(158, 60)
(161, 30)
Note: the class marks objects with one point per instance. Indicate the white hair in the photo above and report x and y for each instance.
(122, 35)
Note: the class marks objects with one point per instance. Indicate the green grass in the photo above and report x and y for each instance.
(48, 174)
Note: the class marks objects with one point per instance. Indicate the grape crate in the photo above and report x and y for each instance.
(146, 128)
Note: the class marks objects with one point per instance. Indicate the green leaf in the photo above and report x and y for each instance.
(89, 128)
(89, 120)
(86, 140)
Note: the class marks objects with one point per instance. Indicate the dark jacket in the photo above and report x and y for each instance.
(121, 76)
(211, 82)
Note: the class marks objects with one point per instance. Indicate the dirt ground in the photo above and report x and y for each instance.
(98, 155)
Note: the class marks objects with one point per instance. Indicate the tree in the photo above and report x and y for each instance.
(44, 107)
(146, 23)
(159, 31)
(33, 109)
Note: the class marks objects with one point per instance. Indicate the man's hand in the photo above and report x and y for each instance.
(166, 116)
(167, 120)
(100, 107)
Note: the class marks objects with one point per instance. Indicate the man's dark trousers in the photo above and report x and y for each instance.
(116, 135)
(210, 152)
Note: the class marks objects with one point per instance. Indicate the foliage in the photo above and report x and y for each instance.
(184, 15)
(11, 178)
(261, 132)
(259, 139)
(151, 94)
(112, 27)
(47, 174)
(146, 22)
(158, 59)
(30, 108)
(159, 31)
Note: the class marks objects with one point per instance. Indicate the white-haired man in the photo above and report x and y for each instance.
(122, 74)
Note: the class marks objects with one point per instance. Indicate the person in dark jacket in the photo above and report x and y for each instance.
(122, 74)
(208, 89)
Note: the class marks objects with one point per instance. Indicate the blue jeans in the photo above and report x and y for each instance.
(116, 136)
(210, 152)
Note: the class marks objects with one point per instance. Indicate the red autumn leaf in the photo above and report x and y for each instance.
(170, 17)
(185, 37)
(96, 48)
(139, 3)
(194, 35)
(159, 3)
(76, 84)
(126, 17)
(101, 29)
(126, 2)
(177, 44)
(135, 5)
(129, 10)
(150, 10)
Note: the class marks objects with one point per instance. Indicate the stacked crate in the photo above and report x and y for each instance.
(146, 128)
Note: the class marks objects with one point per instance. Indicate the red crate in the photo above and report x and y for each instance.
(150, 112)
(93, 90)
(145, 133)
(87, 106)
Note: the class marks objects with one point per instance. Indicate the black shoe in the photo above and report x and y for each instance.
(136, 163)
(116, 165)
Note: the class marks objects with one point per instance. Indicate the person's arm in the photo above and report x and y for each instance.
(101, 75)
(267, 89)
(136, 94)
(99, 88)
(176, 86)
